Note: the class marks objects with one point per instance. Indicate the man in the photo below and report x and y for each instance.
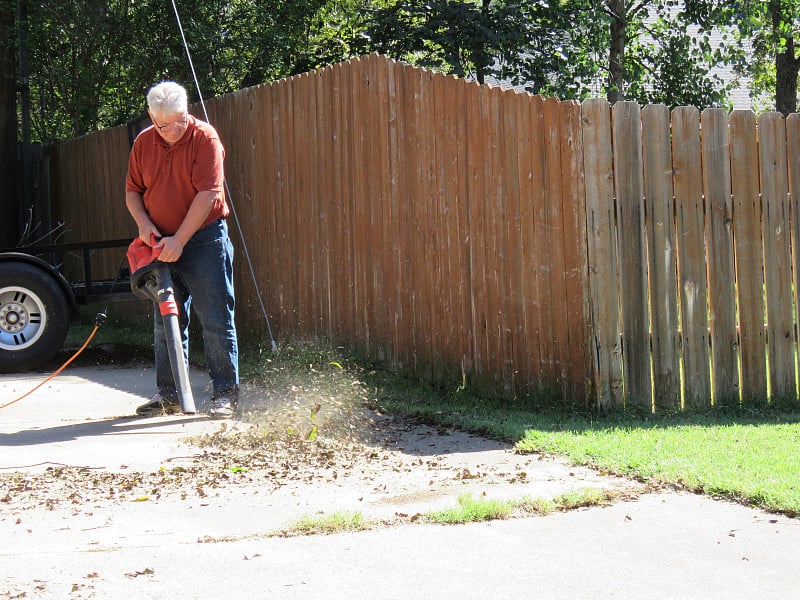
(175, 192)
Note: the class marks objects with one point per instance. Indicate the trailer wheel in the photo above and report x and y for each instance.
(34, 317)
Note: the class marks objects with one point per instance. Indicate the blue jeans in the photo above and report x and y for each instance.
(203, 281)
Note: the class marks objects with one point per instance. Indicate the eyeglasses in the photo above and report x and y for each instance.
(181, 123)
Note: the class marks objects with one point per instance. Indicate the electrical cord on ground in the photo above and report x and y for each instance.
(227, 189)
(99, 320)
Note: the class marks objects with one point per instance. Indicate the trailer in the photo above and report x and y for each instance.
(38, 302)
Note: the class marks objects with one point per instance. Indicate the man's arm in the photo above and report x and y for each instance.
(135, 203)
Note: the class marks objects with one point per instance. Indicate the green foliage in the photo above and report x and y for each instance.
(566, 49)
(329, 524)
(470, 510)
(72, 49)
(563, 50)
(91, 63)
(462, 37)
(676, 67)
(769, 29)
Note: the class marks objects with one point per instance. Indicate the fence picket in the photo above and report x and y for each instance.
(438, 205)
(793, 156)
(511, 288)
(399, 219)
(316, 211)
(476, 158)
(535, 314)
(543, 251)
(749, 255)
(554, 214)
(305, 213)
(325, 177)
(602, 254)
(250, 209)
(281, 116)
(531, 176)
(454, 211)
(380, 192)
(777, 254)
(662, 256)
(575, 260)
(691, 255)
(719, 236)
(418, 157)
(497, 335)
(260, 186)
(347, 306)
(629, 188)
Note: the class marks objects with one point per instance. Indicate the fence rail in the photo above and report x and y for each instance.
(613, 255)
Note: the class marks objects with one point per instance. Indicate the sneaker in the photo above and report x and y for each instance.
(223, 407)
(159, 406)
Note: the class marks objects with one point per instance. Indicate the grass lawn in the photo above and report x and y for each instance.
(751, 457)
(748, 458)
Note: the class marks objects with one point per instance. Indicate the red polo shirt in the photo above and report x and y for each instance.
(169, 177)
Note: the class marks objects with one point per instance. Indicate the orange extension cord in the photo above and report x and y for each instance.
(61, 368)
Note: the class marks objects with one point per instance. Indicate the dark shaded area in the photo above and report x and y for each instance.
(119, 355)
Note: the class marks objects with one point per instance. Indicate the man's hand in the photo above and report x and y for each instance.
(171, 249)
(149, 232)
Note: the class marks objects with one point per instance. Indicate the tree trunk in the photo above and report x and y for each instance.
(479, 57)
(616, 56)
(8, 128)
(787, 67)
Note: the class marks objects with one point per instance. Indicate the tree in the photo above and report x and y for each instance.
(671, 58)
(658, 51)
(92, 62)
(72, 50)
(462, 37)
(773, 65)
(648, 50)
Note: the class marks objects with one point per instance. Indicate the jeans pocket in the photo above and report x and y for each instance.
(210, 234)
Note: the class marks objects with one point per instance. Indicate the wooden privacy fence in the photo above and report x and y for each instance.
(692, 290)
(459, 231)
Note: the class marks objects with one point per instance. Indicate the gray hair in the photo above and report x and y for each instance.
(167, 98)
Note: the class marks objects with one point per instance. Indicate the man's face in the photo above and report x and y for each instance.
(170, 126)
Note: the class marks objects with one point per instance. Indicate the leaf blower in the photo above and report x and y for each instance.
(152, 280)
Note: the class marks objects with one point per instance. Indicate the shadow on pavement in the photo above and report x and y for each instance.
(106, 427)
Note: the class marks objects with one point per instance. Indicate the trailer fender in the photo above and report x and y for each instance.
(48, 268)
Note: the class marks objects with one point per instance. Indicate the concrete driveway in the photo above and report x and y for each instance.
(218, 544)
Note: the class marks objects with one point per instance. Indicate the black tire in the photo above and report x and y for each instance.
(34, 317)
